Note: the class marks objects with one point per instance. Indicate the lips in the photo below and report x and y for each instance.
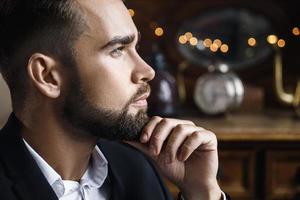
(141, 101)
(143, 97)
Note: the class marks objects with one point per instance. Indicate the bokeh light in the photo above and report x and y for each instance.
(281, 43)
(218, 42)
(131, 12)
(193, 41)
(182, 39)
(296, 31)
(252, 42)
(272, 39)
(224, 48)
(214, 47)
(188, 35)
(207, 42)
(159, 31)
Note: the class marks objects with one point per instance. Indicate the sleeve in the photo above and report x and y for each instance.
(223, 197)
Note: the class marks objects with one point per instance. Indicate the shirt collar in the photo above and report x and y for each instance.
(97, 171)
(94, 176)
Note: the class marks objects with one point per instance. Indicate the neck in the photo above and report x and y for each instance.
(68, 155)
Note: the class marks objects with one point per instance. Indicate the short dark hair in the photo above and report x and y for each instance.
(32, 26)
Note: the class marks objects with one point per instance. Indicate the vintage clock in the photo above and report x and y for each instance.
(219, 91)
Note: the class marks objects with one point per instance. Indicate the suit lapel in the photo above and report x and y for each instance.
(117, 188)
(115, 174)
(28, 181)
(125, 182)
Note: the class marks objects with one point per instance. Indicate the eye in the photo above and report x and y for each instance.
(117, 52)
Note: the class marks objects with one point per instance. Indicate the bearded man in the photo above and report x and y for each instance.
(79, 128)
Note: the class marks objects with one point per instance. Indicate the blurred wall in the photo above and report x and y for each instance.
(5, 103)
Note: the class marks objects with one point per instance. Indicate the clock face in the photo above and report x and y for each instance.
(215, 93)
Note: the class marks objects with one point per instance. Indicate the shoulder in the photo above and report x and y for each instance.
(135, 171)
(123, 153)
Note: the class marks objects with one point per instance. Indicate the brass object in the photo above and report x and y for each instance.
(285, 97)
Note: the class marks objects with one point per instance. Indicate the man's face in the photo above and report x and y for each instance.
(109, 76)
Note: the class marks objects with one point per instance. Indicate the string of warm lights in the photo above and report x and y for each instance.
(215, 45)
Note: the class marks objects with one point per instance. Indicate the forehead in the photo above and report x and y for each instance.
(107, 18)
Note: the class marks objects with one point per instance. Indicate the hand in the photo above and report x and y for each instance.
(185, 153)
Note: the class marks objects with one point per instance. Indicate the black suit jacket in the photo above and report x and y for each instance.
(131, 175)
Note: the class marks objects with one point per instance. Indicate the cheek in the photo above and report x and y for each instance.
(106, 88)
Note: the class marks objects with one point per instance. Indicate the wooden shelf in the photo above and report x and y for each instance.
(251, 127)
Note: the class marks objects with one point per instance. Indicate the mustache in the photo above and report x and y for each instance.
(141, 91)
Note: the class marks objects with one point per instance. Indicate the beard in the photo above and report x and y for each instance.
(88, 120)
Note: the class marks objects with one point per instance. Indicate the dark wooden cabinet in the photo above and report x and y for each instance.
(259, 156)
(283, 174)
(236, 172)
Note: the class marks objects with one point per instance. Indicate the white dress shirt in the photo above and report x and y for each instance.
(90, 185)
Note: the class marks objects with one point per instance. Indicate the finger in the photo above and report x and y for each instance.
(148, 129)
(202, 140)
(162, 131)
(178, 135)
(188, 122)
(160, 134)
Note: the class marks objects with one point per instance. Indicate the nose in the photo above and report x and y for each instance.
(142, 72)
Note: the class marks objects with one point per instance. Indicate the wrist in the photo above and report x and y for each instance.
(212, 192)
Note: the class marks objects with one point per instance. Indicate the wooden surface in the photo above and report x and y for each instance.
(252, 127)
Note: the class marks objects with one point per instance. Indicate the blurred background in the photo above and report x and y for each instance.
(232, 67)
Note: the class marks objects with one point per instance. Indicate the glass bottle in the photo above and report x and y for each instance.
(163, 100)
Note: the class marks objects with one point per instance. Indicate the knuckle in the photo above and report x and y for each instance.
(175, 135)
(165, 121)
(179, 127)
(213, 135)
(157, 137)
(213, 138)
(169, 147)
(201, 128)
(187, 146)
(189, 122)
(172, 139)
(196, 135)
(156, 118)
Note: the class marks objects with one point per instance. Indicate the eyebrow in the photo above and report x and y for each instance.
(124, 40)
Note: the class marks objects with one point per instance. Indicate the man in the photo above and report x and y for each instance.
(76, 80)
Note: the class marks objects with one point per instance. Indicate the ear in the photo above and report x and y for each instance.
(44, 73)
